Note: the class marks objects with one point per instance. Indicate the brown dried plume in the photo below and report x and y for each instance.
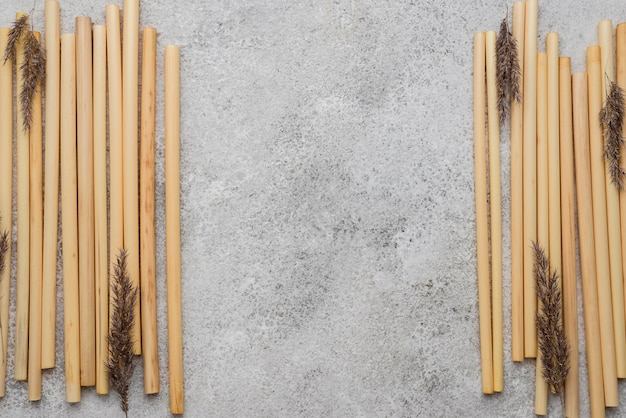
(553, 346)
(19, 28)
(508, 70)
(612, 119)
(121, 364)
(4, 248)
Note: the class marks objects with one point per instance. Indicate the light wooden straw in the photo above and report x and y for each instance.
(482, 223)
(517, 221)
(543, 224)
(605, 37)
(172, 228)
(23, 228)
(568, 271)
(116, 183)
(100, 206)
(620, 39)
(150, 348)
(69, 212)
(594, 86)
(36, 248)
(51, 197)
(530, 176)
(130, 64)
(86, 267)
(6, 195)
(587, 248)
(496, 212)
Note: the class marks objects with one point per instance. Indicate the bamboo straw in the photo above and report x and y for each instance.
(23, 228)
(496, 213)
(51, 197)
(6, 195)
(605, 36)
(116, 184)
(568, 271)
(530, 176)
(86, 268)
(150, 351)
(172, 230)
(36, 248)
(543, 224)
(587, 248)
(620, 39)
(517, 221)
(600, 227)
(482, 223)
(69, 214)
(100, 206)
(130, 64)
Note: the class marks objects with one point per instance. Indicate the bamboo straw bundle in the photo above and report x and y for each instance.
(6, 195)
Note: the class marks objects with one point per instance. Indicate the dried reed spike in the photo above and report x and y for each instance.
(34, 70)
(4, 247)
(121, 364)
(553, 345)
(508, 70)
(612, 120)
(20, 26)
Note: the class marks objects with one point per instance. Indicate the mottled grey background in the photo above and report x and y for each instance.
(328, 209)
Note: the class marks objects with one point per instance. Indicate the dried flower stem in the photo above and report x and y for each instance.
(508, 69)
(612, 119)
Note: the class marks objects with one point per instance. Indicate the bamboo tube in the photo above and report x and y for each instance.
(172, 230)
(23, 228)
(116, 183)
(482, 223)
(496, 213)
(600, 228)
(51, 197)
(36, 248)
(587, 248)
(543, 224)
(568, 271)
(6, 195)
(69, 212)
(530, 176)
(150, 352)
(86, 267)
(620, 39)
(130, 79)
(100, 206)
(517, 221)
(605, 36)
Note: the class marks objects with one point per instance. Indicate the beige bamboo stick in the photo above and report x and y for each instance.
(6, 195)
(594, 86)
(587, 248)
(116, 183)
(36, 247)
(172, 230)
(517, 221)
(69, 212)
(130, 64)
(86, 267)
(605, 37)
(543, 224)
(100, 206)
(482, 223)
(23, 228)
(51, 197)
(530, 175)
(568, 271)
(496, 213)
(150, 348)
(620, 39)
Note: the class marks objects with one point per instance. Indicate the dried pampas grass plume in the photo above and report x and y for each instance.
(612, 119)
(508, 71)
(4, 247)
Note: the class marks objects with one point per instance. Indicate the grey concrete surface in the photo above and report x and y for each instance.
(327, 210)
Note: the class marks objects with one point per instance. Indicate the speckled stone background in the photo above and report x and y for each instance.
(328, 209)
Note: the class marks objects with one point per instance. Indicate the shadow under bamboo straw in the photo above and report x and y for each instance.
(587, 247)
(6, 194)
